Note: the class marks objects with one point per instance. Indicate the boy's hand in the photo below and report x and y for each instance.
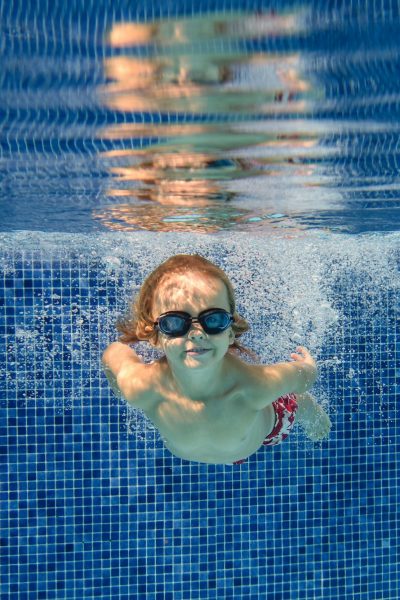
(303, 356)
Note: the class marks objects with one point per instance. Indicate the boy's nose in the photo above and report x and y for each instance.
(196, 330)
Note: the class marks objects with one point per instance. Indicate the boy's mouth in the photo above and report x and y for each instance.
(196, 351)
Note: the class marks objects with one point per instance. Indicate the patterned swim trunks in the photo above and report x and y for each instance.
(285, 413)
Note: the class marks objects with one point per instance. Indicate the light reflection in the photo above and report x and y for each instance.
(214, 82)
(203, 27)
(201, 70)
(209, 219)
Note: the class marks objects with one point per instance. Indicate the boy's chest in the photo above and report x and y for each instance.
(191, 422)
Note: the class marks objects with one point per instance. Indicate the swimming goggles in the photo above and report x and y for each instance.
(177, 323)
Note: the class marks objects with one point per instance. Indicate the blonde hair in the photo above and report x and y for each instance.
(138, 324)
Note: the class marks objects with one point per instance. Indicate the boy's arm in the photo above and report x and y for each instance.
(127, 374)
(273, 381)
(115, 355)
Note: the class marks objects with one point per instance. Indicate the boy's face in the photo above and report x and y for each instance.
(192, 293)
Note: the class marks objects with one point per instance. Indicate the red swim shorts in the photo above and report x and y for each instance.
(285, 412)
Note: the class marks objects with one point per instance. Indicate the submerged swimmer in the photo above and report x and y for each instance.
(208, 404)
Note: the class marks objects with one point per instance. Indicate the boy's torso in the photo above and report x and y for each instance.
(220, 429)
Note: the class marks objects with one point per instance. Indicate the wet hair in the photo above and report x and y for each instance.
(138, 324)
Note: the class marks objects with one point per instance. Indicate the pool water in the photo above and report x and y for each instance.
(263, 136)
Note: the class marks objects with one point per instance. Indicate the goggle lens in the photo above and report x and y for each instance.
(177, 324)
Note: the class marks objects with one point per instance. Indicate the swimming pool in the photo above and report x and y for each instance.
(263, 136)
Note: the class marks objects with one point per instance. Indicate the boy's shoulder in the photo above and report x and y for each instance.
(138, 383)
(256, 381)
(248, 374)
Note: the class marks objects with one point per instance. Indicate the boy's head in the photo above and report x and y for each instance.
(192, 293)
(189, 283)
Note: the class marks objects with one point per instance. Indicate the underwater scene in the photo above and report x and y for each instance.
(264, 137)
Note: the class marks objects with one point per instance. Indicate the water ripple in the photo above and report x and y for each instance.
(201, 122)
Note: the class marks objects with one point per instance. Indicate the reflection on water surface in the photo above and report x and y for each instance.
(187, 170)
(117, 118)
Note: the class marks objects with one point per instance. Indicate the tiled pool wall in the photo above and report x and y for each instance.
(92, 506)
